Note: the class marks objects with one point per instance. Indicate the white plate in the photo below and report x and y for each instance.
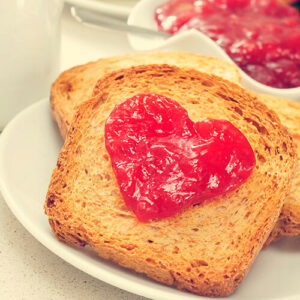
(29, 146)
(117, 8)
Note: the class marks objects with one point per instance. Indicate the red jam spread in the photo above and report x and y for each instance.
(164, 162)
(261, 36)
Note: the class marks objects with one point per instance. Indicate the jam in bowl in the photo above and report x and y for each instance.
(261, 36)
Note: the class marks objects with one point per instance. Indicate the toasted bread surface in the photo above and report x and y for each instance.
(74, 86)
(289, 220)
(206, 249)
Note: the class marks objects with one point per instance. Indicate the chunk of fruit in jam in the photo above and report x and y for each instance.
(164, 162)
(261, 36)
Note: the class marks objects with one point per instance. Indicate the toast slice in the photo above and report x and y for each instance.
(76, 85)
(207, 249)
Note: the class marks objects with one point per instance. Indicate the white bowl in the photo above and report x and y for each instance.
(193, 41)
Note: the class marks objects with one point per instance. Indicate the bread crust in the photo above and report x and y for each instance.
(75, 85)
(206, 249)
(288, 223)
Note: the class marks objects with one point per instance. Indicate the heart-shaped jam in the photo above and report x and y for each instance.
(164, 162)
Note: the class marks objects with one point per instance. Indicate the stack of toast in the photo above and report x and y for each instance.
(206, 249)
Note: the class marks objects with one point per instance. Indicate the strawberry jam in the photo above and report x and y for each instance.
(261, 36)
(164, 162)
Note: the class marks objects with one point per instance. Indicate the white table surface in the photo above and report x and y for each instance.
(28, 270)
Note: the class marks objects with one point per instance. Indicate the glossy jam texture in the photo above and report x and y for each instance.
(261, 36)
(164, 162)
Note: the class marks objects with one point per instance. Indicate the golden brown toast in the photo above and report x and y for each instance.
(206, 249)
(76, 85)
